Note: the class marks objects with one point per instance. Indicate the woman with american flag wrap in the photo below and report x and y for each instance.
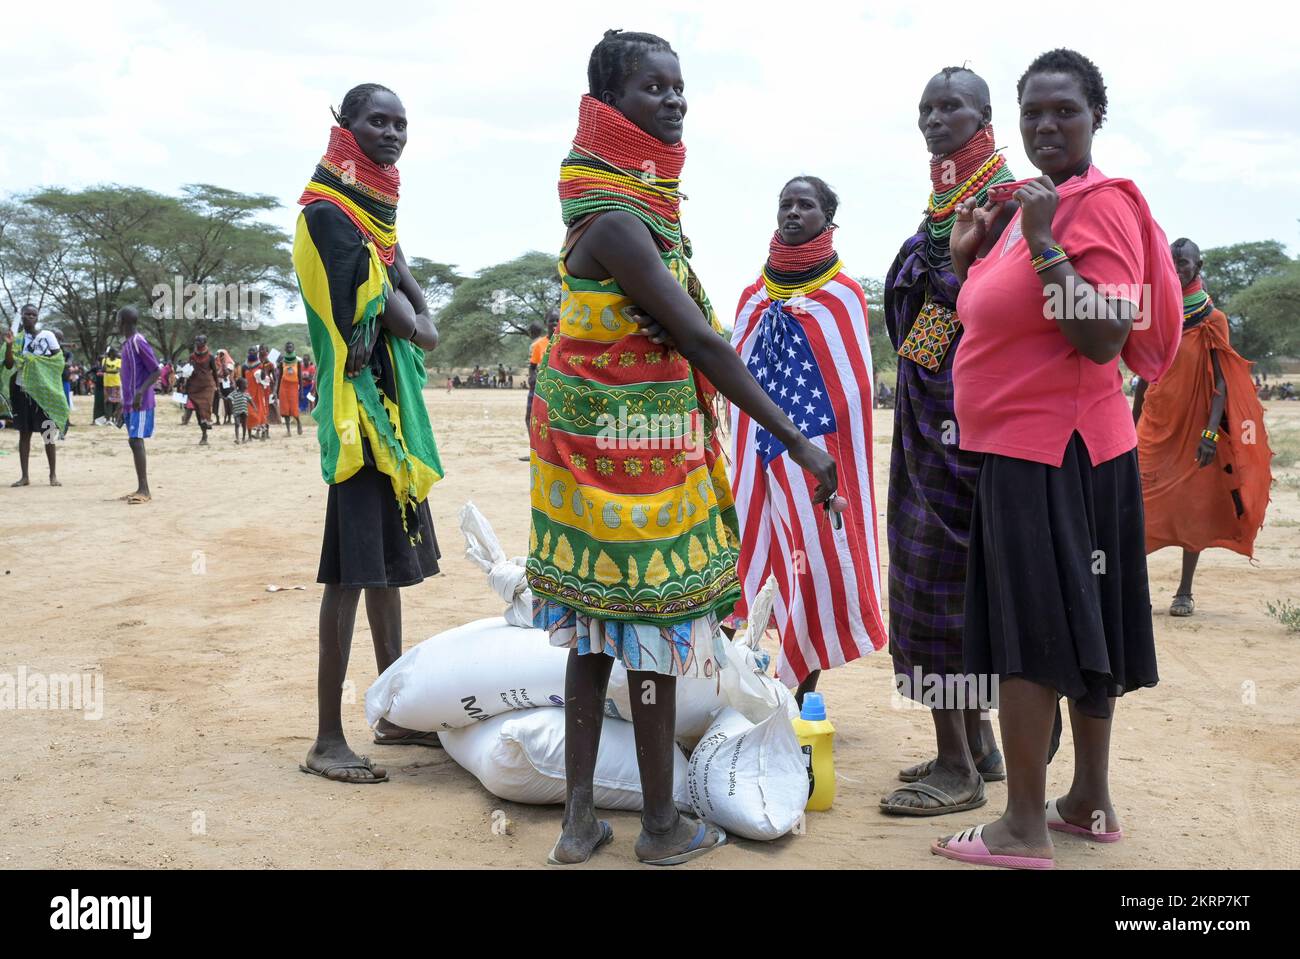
(801, 330)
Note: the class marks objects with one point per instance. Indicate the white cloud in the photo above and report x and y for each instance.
(159, 94)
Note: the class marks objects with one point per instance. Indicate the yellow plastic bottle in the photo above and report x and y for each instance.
(817, 740)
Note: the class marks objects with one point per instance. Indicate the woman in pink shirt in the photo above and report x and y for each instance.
(1057, 602)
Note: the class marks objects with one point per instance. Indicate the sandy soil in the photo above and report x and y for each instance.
(210, 681)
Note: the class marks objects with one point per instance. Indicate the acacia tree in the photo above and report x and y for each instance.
(438, 281)
(85, 254)
(1268, 312)
(487, 318)
(29, 254)
(883, 357)
(77, 277)
(1255, 284)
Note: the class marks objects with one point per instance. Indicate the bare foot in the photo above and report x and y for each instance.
(54, 480)
(22, 482)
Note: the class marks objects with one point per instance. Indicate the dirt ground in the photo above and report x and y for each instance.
(210, 681)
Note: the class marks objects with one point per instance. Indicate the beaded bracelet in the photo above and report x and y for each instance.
(1049, 258)
(1210, 435)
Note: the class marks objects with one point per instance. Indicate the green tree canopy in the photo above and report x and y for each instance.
(1267, 313)
(1256, 285)
(487, 317)
(883, 357)
(198, 262)
(438, 281)
(1230, 269)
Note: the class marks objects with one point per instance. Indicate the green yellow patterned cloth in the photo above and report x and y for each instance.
(632, 515)
(42, 380)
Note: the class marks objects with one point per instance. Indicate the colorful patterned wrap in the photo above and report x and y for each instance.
(632, 515)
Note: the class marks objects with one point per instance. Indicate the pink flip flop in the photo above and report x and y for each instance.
(969, 847)
(1056, 823)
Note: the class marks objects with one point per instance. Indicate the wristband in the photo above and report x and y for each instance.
(1210, 435)
(1049, 258)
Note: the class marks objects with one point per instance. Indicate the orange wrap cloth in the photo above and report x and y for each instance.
(1186, 505)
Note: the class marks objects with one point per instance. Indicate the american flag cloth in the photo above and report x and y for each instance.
(811, 355)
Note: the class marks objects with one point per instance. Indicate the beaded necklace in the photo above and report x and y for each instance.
(973, 168)
(615, 165)
(365, 191)
(793, 271)
(1197, 304)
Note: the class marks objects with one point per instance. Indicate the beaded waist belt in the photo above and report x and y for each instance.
(932, 333)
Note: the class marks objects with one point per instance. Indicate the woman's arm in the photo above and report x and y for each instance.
(426, 333)
(1139, 398)
(1209, 448)
(1094, 325)
(622, 246)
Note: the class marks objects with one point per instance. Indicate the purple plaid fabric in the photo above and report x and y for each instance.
(931, 482)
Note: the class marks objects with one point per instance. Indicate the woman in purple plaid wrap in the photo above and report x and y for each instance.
(931, 480)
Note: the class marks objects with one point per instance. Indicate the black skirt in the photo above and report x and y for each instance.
(28, 415)
(365, 545)
(1056, 588)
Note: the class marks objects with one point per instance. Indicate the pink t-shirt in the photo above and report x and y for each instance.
(1020, 388)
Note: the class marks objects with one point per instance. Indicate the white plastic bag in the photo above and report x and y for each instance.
(520, 758)
(506, 576)
(469, 673)
(749, 779)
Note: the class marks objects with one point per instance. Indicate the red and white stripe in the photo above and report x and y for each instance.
(827, 607)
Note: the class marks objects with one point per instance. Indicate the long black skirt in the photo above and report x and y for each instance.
(365, 546)
(1056, 590)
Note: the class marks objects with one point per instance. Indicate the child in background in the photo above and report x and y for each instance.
(239, 406)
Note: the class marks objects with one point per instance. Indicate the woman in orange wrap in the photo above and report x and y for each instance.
(288, 375)
(1202, 446)
(258, 395)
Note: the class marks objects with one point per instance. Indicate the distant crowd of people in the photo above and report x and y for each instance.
(42, 376)
(481, 379)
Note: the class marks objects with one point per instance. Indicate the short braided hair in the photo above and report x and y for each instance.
(616, 58)
(1076, 65)
(355, 101)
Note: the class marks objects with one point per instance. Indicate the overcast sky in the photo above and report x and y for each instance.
(1203, 108)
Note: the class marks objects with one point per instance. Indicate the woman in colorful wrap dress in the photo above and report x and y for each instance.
(633, 545)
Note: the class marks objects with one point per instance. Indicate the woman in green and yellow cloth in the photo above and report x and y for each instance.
(369, 326)
(634, 542)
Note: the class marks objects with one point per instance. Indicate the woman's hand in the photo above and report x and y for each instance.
(820, 465)
(1038, 201)
(969, 232)
(650, 327)
(1206, 452)
(359, 353)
